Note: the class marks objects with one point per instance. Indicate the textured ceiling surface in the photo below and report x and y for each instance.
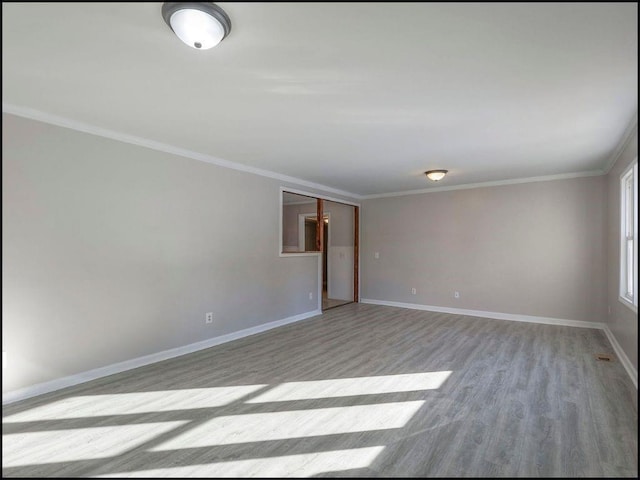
(361, 97)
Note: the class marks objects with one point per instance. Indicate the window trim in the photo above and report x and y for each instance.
(630, 171)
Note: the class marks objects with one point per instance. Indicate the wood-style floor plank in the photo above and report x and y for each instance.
(422, 395)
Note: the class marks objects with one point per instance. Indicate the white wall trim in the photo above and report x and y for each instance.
(318, 195)
(624, 360)
(624, 301)
(87, 376)
(494, 315)
(632, 172)
(299, 203)
(298, 254)
(622, 144)
(59, 121)
(498, 183)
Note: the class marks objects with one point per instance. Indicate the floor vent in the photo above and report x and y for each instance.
(605, 357)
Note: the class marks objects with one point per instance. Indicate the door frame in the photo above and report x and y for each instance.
(356, 253)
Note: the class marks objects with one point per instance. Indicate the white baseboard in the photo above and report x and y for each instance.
(76, 379)
(624, 360)
(495, 315)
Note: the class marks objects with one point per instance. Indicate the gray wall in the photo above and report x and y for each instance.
(113, 251)
(530, 249)
(622, 321)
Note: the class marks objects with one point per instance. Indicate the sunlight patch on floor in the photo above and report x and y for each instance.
(345, 387)
(134, 402)
(101, 442)
(303, 465)
(33, 448)
(260, 427)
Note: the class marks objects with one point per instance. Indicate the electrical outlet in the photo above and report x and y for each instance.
(310, 295)
(456, 294)
(413, 291)
(209, 317)
(376, 255)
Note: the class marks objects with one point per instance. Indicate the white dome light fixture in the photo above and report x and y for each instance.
(201, 25)
(436, 175)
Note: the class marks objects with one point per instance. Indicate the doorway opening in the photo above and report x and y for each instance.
(339, 254)
(329, 229)
(329, 295)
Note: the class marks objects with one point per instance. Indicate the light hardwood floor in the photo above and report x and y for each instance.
(362, 390)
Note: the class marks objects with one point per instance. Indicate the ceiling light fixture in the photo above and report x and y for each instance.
(201, 25)
(436, 175)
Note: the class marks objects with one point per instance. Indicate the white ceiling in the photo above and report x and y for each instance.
(361, 97)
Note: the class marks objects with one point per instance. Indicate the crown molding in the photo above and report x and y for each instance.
(622, 144)
(64, 122)
(498, 183)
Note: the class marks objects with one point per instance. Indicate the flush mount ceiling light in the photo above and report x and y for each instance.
(436, 175)
(200, 25)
